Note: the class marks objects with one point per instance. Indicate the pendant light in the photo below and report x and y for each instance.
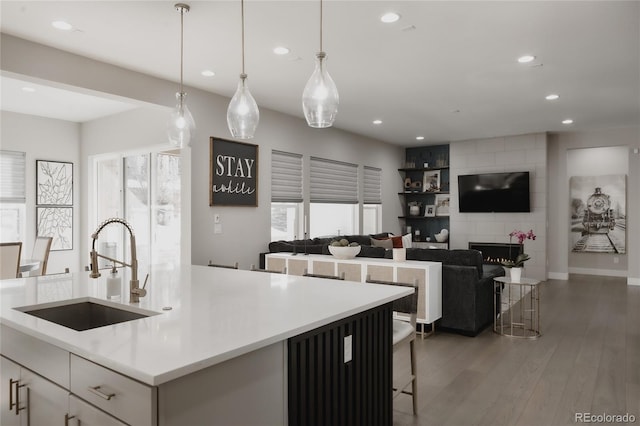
(181, 127)
(320, 97)
(242, 114)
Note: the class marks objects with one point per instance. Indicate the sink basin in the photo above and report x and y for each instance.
(83, 315)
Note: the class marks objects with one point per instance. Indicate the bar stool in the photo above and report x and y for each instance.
(405, 332)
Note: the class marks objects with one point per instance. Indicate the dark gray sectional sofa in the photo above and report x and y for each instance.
(467, 284)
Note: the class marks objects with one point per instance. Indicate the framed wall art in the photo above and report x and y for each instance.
(56, 222)
(54, 183)
(442, 204)
(431, 181)
(233, 173)
(430, 210)
(598, 213)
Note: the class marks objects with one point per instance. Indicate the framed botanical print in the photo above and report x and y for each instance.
(56, 222)
(54, 183)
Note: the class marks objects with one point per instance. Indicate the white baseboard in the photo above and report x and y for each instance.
(599, 272)
(633, 281)
(564, 276)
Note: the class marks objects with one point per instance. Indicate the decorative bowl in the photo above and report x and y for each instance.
(342, 252)
(442, 236)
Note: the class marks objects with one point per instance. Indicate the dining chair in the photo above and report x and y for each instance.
(330, 277)
(404, 332)
(218, 265)
(41, 249)
(10, 260)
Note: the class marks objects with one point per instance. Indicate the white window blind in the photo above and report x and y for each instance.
(12, 177)
(372, 193)
(286, 177)
(333, 182)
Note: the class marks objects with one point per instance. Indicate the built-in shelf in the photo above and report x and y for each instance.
(423, 217)
(422, 193)
(419, 178)
(422, 169)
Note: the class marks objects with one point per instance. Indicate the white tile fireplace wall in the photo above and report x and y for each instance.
(503, 154)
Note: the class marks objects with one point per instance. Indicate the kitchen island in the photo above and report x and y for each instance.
(222, 347)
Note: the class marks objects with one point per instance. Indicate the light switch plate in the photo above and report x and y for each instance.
(348, 348)
(216, 218)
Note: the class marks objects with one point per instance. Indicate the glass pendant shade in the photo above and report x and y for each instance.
(243, 114)
(181, 128)
(320, 97)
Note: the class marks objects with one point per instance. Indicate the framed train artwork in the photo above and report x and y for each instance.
(598, 213)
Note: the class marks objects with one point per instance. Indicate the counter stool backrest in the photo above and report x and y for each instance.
(330, 277)
(219, 265)
(273, 271)
(10, 260)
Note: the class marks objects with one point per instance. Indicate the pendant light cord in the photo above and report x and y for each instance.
(321, 25)
(242, 17)
(181, 46)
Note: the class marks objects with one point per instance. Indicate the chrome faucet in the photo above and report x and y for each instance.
(134, 285)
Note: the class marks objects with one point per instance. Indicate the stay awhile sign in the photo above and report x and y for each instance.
(233, 173)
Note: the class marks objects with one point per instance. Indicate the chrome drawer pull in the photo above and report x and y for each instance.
(96, 391)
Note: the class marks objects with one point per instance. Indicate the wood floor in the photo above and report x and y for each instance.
(586, 361)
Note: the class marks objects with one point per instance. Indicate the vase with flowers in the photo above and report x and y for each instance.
(515, 265)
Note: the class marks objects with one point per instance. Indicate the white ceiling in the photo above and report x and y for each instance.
(446, 70)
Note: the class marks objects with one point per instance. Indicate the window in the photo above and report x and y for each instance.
(144, 189)
(334, 198)
(12, 196)
(372, 196)
(286, 196)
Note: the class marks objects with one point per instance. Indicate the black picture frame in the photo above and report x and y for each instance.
(233, 173)
(56, 222)
(54, 183)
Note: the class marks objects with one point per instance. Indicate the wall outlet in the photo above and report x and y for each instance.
(616, 259)
(348, 348)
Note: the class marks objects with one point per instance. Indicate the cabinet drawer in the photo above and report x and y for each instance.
(121, 396)
(43, 358)
(87, 415)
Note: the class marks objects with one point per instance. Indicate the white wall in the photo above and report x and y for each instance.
(561, 263)
(45, 139)
(245, 230)
(503, 154)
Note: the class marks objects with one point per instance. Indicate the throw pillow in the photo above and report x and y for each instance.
(385, 243)
(397, 241)
(402, 242)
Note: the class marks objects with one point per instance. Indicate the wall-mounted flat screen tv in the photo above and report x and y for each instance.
(494, 192)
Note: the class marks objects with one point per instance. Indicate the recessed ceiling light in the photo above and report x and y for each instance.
(62, 25)
(420, 138)
(208, 73)
(552, 97)
(377, 121)
(567, 121)
(526, 59)
(390, 17)
(281, 50)
(28, 89)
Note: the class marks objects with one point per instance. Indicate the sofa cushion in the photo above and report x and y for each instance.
(384, 243)
(460, 257)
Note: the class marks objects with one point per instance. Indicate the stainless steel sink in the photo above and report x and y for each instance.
(83, 315)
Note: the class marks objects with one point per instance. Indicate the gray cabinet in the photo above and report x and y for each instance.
(29, 399)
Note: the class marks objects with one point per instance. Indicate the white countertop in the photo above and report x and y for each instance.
(217, 314)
